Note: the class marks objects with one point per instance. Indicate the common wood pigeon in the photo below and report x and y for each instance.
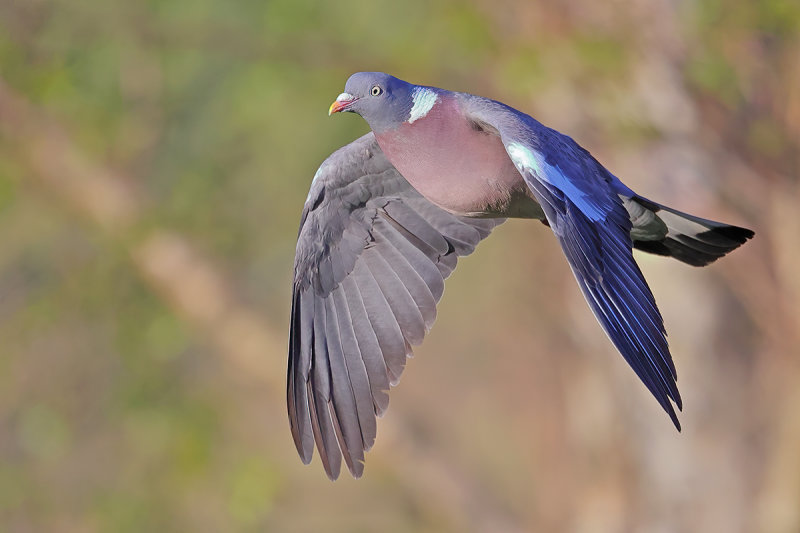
(388, 215)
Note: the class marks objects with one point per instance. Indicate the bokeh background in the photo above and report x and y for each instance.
(154, 159)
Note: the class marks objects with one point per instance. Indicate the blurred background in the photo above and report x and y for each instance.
(154, 159)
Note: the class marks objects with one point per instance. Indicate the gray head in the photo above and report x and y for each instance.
(382, 100)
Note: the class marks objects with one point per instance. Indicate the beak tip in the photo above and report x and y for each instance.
(341, 103)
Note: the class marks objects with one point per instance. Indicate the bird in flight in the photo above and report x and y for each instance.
(389, 214)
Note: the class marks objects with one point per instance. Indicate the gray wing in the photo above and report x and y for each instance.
(372, 256)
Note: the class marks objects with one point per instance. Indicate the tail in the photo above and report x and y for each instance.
(690, 239)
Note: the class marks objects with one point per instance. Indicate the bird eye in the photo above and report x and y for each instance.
(375, 91)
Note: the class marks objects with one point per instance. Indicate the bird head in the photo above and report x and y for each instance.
(382, 100)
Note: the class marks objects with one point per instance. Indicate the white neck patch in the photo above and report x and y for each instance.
(424, 100)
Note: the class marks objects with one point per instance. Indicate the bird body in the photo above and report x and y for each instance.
(457, 165)
(389, 214)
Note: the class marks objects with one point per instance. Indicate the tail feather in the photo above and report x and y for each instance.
(690, 239)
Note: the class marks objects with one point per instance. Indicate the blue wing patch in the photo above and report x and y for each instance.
(527, 161)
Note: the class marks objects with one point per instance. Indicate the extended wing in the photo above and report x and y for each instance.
(372, 256)
(587, 215)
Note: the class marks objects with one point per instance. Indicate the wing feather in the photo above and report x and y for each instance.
(405, 311)
(419, 290)
(368, 346)
(342, 393)
(383, 321)
(356, 369)
(423, 264)
(321, 416)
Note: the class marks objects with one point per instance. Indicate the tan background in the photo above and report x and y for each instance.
(154, 157)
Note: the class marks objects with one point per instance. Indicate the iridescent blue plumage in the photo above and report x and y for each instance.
(583, 207)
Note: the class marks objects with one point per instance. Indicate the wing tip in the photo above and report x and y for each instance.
(303, 444)
(356, 469)
(671, 411)
(675, 421)
(333, 476)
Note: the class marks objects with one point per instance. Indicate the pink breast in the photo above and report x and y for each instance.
(452, 164)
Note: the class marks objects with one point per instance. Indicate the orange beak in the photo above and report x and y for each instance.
(341, 103)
